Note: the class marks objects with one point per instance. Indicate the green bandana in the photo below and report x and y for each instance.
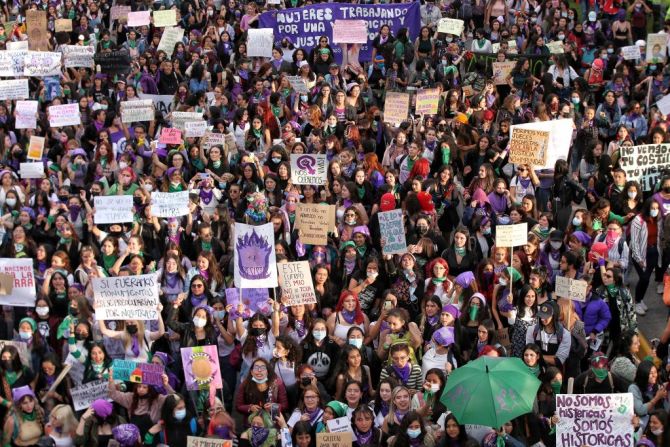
(438, 280)
(11, 377)
(30, 416)
(108, 261)
(257, 132)
(177, 188)
(446, 156)
(556, 387)
(600, 373)
(612, 289)
(473, 313)
(206, 246)
(361, 250)
(361, 192)
(535, 370)
(460, 251)
(276, 110)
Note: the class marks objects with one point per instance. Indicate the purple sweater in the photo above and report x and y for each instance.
(595, 313)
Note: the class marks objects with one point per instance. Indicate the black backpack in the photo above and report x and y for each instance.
(408, 53)
(465, 10)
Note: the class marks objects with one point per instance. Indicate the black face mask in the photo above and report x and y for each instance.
(101, 420)
(256, 332)
(94, 194)
(79, 336)
(666, 189)
(63, 198)
(132, 330)
(305, 381)
(8, 365)
(137, 201)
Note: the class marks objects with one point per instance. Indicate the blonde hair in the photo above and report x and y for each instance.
(567, 308)
(128, 339)
(64, 414)
(392, 408)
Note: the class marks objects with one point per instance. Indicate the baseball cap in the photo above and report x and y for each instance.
(546, 310)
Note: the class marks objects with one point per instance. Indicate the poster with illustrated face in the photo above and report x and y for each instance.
(201, 367)
(254, 256)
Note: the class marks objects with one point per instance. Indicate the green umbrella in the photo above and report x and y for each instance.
(490, 391)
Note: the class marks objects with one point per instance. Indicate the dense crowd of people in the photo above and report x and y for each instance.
(387, 330)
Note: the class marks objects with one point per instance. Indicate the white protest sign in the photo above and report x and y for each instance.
(162, 103)
(450, 26)
(169, 204)
(84, 395)
(556, 47)
(26, 114)
(179, 118)
(31, 170)
(631, 52)
(298, 85)
(78, 56)
(64, 115)
(14, 89)
(511, 235)
(212, 139)
(663, 105)
(259, 42)
(296, 282)
(309, 169)
(594, 420)
(339, 425)
(254, 256)
(136, 111)
(139, 18)
(41, 64)
(392, 230)
(560, 138)
(572, 289)
(113, 209)
(169, 39)
(12, 62)
(21, 45)
(195, 441)
(126, 297)
(24, 292)
(195, 128)
(645, 163)
(166, 17)
(350, 31)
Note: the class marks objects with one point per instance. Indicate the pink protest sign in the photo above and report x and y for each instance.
(170, 135)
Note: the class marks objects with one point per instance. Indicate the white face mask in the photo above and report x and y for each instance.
(556, 245)
(199, 322)
(657, 432)
(632, 194)
(148, 187)
(357, 342)
(373, 275)
(42, 311)
(10, 202)
(434, 387)
(653, 213)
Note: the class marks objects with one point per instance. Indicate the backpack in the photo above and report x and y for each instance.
(465, 10)
(408, 53)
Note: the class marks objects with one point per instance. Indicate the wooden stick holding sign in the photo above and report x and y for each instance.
(59, 379)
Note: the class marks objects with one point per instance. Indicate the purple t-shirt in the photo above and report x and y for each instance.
(665, 204)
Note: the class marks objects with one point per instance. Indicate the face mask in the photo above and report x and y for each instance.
(123, 165)
(351, 221)
(199, 322)
(373, 275)
(303, 98)
(8, 365)
(413, 433)
(137, 201)
(263, 380)
(319, 335)
(434, 387)
(275, 354)
(575, 100)
(652, 68)
(444, 62)
(556, 387)
(422, 230)
(610, 51)
(358, 342)
(653, 213)
(276, 160)
(25, 335)
(666, 189)
(180, 414)
(657, 432)
(220, 314)
(600, 373)
(556, 245)
(148, 187)
(473, 313)
(44, 311)
(561, 36)
(632, 194)
(79, 336)
(131, 329)
(10, 202)
(256, 332)
(305, 381)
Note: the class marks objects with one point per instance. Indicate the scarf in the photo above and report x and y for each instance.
(437, 280)
(206, 196)
(363, 438)
(136, 346)
(384, 408)
(259, 435)
(171, 280)
(609, 241)
(403, 373)
(256, 132)
(50, 379)
(173, 188)
(206, 246)
(460, 251)
(300, 328)
(432, 320)
(260, 340)
(108, 261)
(349, 315)
(11, 377)
(313, 415)
(525, 182)
(196, 300)
(349, 265)
(399, 415)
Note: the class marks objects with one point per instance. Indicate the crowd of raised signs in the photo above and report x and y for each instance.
(181, 111)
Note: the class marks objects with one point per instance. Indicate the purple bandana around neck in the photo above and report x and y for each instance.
(349, 316)
(403, 373)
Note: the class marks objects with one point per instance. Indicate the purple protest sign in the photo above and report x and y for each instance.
(254, 300)
(201, 368)
(305, 25)
(309, 169)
